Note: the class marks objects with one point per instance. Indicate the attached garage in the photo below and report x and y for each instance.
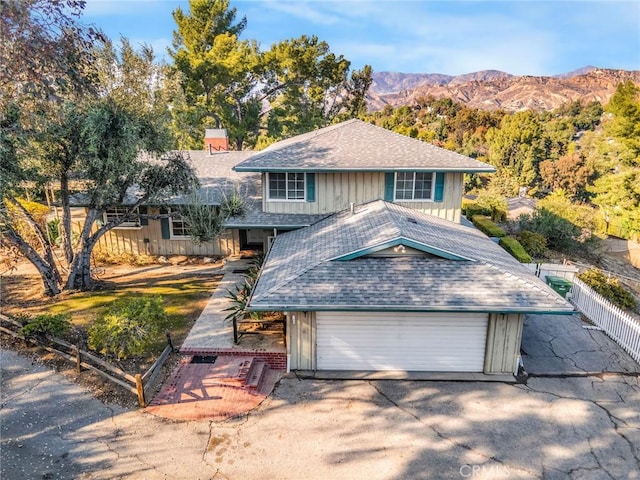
(387, 341)
(382, 288)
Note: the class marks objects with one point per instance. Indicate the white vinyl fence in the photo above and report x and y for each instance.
(543, 270)
(616, 323)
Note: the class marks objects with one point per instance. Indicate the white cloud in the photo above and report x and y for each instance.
(304, 10)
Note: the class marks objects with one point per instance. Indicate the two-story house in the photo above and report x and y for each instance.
(367, 255)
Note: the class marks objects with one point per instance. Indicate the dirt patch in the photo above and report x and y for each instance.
(186, 288)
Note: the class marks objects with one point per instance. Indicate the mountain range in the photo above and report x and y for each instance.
(493, 89)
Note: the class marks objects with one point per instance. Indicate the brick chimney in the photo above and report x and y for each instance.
(216, 140)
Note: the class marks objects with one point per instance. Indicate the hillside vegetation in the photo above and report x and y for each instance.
(582, 160)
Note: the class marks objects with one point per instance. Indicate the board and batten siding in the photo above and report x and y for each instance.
(336, 191)
(301, 340)
(504, 336)
(147, 240)
(401, 341)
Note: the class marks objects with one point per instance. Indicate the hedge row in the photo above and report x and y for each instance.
(514, 247)
(488, 227)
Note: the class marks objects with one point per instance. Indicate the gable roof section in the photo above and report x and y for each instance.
(355, 145)
(462, 269)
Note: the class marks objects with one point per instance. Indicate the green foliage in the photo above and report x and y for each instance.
(608, 287)
(205, 222)
(561, 234)
(241, 293)
(53, 230)
(533, 243)
(488, 227)
(226, 80)
(518, 146)
(581, 215)
(470, 209)
(495, 204)
(46, 324)
(16, 216)
(233, 204)
(514, 247)
(129, 327)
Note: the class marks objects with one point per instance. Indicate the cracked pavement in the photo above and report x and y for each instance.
(559, 427)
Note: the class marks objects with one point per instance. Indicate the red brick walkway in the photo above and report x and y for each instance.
(215, 391)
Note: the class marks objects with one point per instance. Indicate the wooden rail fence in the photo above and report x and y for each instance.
(622, 327)
(137, 384)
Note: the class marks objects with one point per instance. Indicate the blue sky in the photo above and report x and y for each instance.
(522, 37)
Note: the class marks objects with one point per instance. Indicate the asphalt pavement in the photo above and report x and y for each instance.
(557, 426)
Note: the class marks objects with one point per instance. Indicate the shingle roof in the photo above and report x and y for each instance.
(302, 271)
(259, 219)
(216, 175)
(357, 145)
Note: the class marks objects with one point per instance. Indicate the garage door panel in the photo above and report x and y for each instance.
(401, 341)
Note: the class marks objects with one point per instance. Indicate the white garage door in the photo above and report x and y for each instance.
(401, 341)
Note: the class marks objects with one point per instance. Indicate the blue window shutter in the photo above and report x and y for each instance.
(311, 187)
(389, 178)
(164, 225)
(439, 193)
(143, 212)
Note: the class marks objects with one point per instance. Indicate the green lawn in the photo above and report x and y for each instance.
(184, 296)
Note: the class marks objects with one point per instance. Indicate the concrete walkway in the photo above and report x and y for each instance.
(212, 332)
(561, 345)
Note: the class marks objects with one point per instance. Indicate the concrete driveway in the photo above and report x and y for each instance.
(585, 427)
(554, 345)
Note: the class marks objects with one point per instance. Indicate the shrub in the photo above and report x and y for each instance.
(608, 287)
(472, 209)
(516, 250)
(129, 327)
(561, 234)
(495, 204)
(486, 226)
(533, 243)
(54, 324)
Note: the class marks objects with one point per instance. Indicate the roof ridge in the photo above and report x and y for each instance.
(306, 135)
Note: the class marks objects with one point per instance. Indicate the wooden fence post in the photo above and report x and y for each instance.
(76, 349)
(140, 389)
(169, 341)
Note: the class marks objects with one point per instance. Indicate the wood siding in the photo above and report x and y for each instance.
(301, 340)
(148, 240)
(503, 343)
(336, 191)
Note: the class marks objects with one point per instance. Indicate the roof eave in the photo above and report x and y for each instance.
(317, 169)
(403, 308)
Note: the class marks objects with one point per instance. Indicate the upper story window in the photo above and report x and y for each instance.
(114, 213)
(414, 186)
(286, 186)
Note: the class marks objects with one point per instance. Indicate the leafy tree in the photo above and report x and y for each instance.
(624, 127)
(46, 54)
(294, 87)
(99, 144)
(134, 79)
(517, 146)
(571, 173)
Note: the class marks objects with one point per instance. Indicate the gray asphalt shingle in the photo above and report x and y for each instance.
(357, 145)
(301, 272)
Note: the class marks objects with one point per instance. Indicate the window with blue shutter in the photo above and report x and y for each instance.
(388, 186)
(439, 193)
(143, 215)
(311, 187)
(164, 225)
